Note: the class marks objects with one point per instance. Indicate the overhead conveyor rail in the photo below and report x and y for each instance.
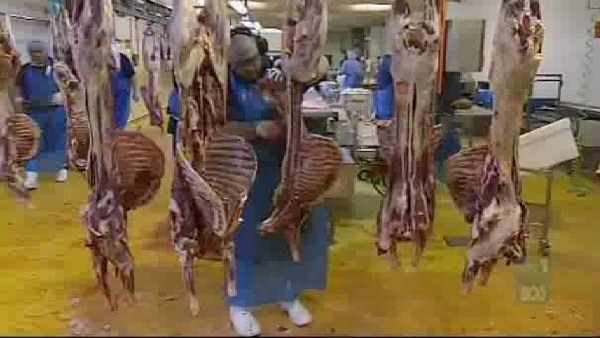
(148, 10)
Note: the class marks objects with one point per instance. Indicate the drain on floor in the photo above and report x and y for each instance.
(457, 241)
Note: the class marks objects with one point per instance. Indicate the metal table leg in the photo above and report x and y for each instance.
(544, 241)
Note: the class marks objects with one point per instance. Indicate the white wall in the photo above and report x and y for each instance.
(566, 24)
(26, 30)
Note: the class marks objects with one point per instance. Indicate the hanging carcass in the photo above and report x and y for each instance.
(213, 171)
(78, 129)
(408, 209)
(484, 181)
(109, 201)
(311, 162)
(19, 134)
(151, 55)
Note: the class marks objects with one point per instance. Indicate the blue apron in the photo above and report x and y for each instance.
(39, 86)
(174, 111)
(385, 95)
(121, 83)
(265, 270)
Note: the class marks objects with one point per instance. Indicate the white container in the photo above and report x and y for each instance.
(547, 146)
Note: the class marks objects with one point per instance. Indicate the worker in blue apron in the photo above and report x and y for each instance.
(174, 113)
(124, 88)
(385, 100)
(41, 98)
(266, 273)
(353, 71)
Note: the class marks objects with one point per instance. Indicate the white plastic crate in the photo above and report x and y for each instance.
(547, 146)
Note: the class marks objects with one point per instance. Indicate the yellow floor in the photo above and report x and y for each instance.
(47, 286)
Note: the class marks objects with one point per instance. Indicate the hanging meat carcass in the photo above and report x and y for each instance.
(409, 205)
(105, 215)
(19, 134)
(312, 162)
(78, 128)
(484, 181)
(151, 55)
(213, 171)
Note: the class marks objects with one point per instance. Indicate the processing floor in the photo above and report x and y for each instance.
(48, 287)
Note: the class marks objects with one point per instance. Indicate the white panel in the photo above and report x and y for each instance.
(274, 40)
(27, 30)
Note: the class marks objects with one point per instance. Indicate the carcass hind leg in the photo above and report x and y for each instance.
(187, 264)
(486, 271)
(293, 239)
(420, 243)
(469, 274)
(394, 256)
(126, 273)
(101, 271)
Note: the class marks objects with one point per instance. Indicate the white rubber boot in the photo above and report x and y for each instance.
(31, 180)
(61, 175)
(298, 314)
(244, 323)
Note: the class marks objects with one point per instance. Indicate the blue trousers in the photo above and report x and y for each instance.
(52, 155)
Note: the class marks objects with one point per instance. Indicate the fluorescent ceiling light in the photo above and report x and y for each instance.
(271, 30)
(366, 7)
(257, 5)
(238, 7)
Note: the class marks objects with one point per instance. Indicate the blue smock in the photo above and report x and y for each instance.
(38, 85)
(385, 94)
(354, 71)
(265, 270)
(174, 112)
(121, 87)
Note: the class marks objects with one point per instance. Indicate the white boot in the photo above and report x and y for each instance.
(61, 175)
(299, 315)
(244, 323)
(31, 180)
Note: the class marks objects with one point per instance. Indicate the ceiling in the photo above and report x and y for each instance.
(341, 16)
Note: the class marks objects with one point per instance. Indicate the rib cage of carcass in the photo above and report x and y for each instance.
(19, 134)
(312, 162)
(408, 209)
(105, 215)
(213, 171)
(484, 181)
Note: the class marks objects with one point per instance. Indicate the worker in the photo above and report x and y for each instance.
(265, 272)
(385, 104)
(353, 71)
(174, 112)
(124, 88)
(39, 96)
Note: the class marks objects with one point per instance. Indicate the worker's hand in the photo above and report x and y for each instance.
(269, 130)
